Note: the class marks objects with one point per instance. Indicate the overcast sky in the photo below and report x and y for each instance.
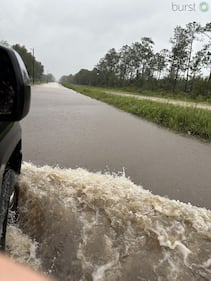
(68, 35)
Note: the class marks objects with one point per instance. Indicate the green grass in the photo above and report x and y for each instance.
(182, 96)
(191, 121)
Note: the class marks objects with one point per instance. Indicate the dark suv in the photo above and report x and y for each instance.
(14, 105)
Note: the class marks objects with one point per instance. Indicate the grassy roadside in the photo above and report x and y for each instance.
(191, 121)
(181, 96)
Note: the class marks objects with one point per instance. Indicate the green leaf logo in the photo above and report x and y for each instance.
(203, 6)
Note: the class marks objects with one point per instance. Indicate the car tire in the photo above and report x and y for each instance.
(8, 203)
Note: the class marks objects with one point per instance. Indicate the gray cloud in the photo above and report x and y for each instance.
(68, 35)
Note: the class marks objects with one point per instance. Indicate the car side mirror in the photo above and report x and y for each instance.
(15, 91)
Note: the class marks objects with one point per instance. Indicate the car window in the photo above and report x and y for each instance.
(7, 83)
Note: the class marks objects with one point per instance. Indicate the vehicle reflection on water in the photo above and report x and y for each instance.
(94, 226)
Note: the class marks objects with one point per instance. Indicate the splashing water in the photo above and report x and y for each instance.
(21, 248)
(101, 227)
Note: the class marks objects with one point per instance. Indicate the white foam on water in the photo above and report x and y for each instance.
(21, 248)
(94, 226)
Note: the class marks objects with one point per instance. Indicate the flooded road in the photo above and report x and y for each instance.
(77, 225)
(72, 130)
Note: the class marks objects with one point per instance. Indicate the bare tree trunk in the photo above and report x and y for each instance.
(192, 82)
(188, 66)
(208, 82)
(175, 80)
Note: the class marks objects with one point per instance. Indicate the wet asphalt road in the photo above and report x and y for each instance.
(71, 130)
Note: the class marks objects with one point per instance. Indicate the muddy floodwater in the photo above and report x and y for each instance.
(77, 225)
(104, 195)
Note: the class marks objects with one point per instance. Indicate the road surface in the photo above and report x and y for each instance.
(72, 130)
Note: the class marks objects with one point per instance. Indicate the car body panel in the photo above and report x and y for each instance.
(10, 136)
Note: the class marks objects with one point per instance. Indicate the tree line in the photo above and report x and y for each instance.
(34, 68)
(186, 67)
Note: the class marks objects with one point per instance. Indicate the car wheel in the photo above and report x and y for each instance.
(8, 203)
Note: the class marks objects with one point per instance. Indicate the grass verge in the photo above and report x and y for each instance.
(191, 121)
(181, 96)
(178, 96)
